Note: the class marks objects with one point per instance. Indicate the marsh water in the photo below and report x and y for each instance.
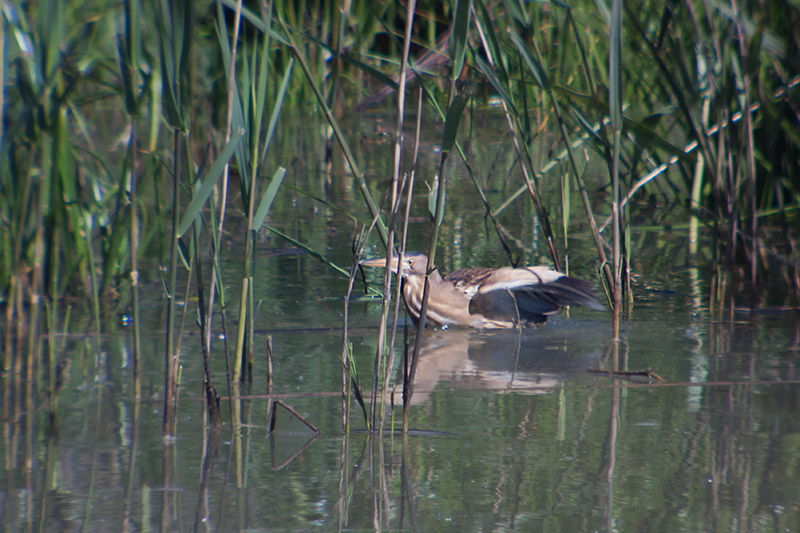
(511, 431)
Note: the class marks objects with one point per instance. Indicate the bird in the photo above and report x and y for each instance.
(487, 298)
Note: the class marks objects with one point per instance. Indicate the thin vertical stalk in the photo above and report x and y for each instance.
(456, 104)
(223, 201)
(349, 375)
(129, 53)
(131, 463)
(238, 353)
(613, 435)
(408, 384)
(403, 237)
(270, 421)
(211, 396)
(346, 354)
(2, 78)
(396, 197)
(134, 250)
(344, 13)
(615, 114)
(697, 188)
(35, 291)
(175, 23)
(749, 156)
(170, 376)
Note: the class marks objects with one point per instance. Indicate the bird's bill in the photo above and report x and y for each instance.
(380, 262)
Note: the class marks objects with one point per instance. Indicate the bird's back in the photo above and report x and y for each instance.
(469, 279)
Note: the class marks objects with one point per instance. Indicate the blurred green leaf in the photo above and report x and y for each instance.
(250, 16)
(268, 198)
(208, 183)
(534, 65)
(433, 197)
(496, 84)
(276, 109)
(460, 36)
(452, 121)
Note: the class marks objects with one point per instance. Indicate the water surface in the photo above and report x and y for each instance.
(512, 430)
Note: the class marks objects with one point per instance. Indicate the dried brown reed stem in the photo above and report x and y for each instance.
(270, 421)
(211, 396)
(346, 357)
(297, 415)
(396, 201)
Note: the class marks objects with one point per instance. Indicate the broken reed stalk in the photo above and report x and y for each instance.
(297, 415)
(270, 422)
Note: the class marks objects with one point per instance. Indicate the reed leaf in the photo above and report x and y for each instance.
(533, 64)
(460, 36)
(175, 21)
(209, 181)
(433, 197)
(268, 198)
(279, 99)
(451, 122)
(497, 85)
(348, 154)
(253, 18)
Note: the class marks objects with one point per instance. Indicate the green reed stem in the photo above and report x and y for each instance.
(615, 114)
(170, 368)
(348, 154)
(454, 113)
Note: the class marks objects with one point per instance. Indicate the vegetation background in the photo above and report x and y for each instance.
(129, 129)
(150, 148)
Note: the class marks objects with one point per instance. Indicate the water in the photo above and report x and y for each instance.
(512, 432)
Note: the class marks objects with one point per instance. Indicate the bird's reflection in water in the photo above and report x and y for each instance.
(533, 361)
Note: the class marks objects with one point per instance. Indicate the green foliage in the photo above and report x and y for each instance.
(208, 183)
(690, 103)
(687, 79)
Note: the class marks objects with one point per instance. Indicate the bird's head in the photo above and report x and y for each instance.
(412, 265)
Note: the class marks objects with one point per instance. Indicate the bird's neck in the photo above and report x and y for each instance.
(414, 289)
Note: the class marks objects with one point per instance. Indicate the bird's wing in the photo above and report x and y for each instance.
(530, 294)
(508, 278)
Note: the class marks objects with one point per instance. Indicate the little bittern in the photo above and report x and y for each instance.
(488, 298)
